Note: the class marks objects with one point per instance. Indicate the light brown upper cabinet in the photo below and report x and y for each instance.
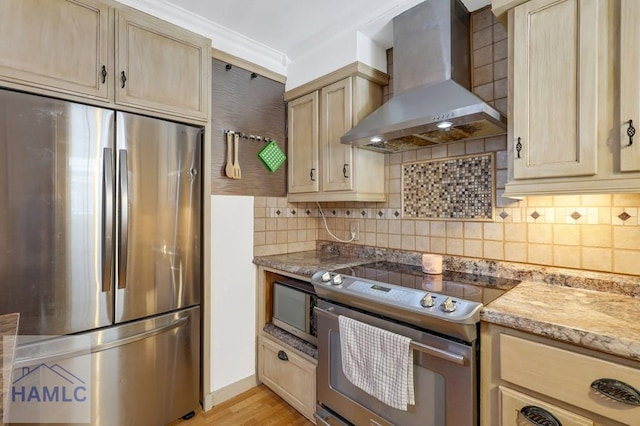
(573, 89)
(629, 86)
(336, 118)
(555, 84)
(160, 67)
(61, 45)
(321, 168)
(302, 117)
(107, 52)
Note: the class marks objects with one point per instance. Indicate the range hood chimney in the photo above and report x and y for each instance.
(431, 102)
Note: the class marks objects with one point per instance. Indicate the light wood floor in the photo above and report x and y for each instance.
(257, 406)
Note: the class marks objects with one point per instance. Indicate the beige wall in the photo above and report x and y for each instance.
(583, 232)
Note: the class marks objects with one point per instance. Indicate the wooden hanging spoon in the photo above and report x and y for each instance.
(237, 174)
(229, 169)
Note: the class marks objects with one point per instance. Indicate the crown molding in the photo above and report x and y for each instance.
(222, 38)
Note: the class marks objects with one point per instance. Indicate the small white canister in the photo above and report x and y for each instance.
(432, 263)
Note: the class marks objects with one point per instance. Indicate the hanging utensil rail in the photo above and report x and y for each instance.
(242, 135)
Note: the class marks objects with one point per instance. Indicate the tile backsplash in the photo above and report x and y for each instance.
(454, 188)
(592, 232)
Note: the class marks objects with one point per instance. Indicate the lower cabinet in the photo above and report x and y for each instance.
(519, 409)
(291, 375)
(529, 379)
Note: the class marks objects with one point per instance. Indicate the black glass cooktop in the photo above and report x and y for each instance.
(474, 287)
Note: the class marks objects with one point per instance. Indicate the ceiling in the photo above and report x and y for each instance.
(290, 26)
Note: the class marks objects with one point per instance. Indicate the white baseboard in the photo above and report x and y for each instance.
(229, 391)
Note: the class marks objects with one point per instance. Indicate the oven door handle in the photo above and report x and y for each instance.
(426, 349)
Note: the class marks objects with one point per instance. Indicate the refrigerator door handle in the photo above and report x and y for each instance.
(123, 218)
(180, 322)
(107, 230)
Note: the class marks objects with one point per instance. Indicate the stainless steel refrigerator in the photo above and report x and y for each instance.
(100, 236)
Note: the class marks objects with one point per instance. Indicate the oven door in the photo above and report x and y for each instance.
(444, 377)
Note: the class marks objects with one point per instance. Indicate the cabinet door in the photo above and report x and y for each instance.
(514, 413)
(303, 143)
(161, 67)
(60, 45)
(555, 88)
(288, 375)
(629, 85)
(335, 120)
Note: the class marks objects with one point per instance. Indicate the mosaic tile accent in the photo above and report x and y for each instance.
(535, 215)
(459, 188)
(504, 215)
(576, 215)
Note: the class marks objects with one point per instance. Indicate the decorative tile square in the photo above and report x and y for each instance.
(455, 188)
(624, 216)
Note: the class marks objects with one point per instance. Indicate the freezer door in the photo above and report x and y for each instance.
(158, 216)
(56, 170)
(143, 373)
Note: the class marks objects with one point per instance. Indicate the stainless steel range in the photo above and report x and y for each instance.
(439, 313)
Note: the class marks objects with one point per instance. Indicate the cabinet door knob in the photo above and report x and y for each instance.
(123, 78)
(103, 73)
(312, 174)
(283, 356)
(538, 416)
(631, 131)
(345, 170)
(617, 390)
(518, 147)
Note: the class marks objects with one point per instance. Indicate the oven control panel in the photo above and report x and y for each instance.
(353, 290)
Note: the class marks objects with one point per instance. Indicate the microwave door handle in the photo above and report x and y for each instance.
(307, 313)
(420, 347)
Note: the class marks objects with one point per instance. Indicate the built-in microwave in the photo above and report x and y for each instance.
(293, 303)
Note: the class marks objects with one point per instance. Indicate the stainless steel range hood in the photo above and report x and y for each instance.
(432, 103)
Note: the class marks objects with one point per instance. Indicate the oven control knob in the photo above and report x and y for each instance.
(337, 279)
(427, 301)
(326, 277)
(448, 305)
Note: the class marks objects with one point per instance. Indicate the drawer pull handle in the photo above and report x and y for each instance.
(103, 73)
(311, 175)
(617, 390)
(345, 171)
(283, 356)
(539, 416)
(123, 78)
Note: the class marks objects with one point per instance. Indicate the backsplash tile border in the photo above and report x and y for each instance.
(539, 215)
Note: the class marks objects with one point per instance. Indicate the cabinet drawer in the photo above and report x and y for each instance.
(293, 378)
(512, 413)
(566, 376)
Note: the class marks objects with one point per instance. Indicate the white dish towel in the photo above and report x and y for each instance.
(377, 361)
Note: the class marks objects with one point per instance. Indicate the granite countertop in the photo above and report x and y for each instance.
(307, 263)
(598, 320)
(598, 311)
(8, 328)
